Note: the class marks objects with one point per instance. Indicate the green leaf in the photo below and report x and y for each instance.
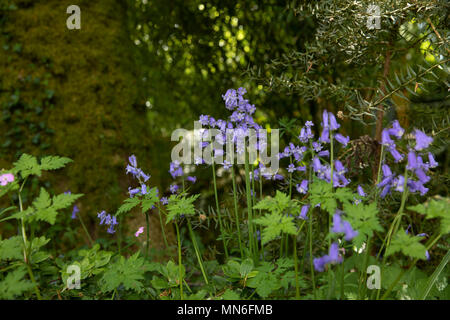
(246, 267)
(275, 205)
(11, 249)
(27, 165)
(230, 295)
(364, 219)
(407, 244)
(436, 208)
(264, 283)
(14, 284)
(47, 210)
(274, 224)
(128, 204)
(63, 200)
(150, 199)
(54, 162)
(180, 205)
(127, 272)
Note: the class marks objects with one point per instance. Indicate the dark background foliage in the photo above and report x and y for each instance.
(139, 69)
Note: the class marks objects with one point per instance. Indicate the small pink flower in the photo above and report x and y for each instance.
(140, 230)
(6, 178)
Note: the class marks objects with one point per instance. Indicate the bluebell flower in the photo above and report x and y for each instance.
(173, 188)
(191, 179)
(386, 138)
(341, 139)
(412, 161)
(175, 169)
(230, 99)
(395, 154)
(325, 119)
(304, 212)
(325, 136)
(204, 120)
(324, 154)
(134, 170)
(422, 140)
(396, 129)
(302, 187)
(361, 191)
(75, 210)
(333, 123)
(108, 220)
(432, 163)
(349, 232)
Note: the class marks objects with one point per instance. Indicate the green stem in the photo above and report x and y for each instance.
(297, 285)
(218, 210)
(342, 280)
(233, 178)
(180, 270)
(260, 198)
(197, 251)
(311, 253)
(147, 221)
(163, 231)
(249, 207)
(91, 242)
(25, 245)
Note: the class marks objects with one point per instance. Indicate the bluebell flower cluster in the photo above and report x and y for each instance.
(416, 167)
(109, 220)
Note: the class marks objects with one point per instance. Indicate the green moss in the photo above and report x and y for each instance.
(96, 113)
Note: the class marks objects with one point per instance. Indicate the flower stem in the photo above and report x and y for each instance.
(25, 245)
(86, 231)
(249, 207)
(180, 270)
(148, 234)
(297, 285)
(233, 178)
(218, 210)
(197, 251)
(162, 227)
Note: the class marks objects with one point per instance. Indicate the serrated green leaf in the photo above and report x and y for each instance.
(11, 249)
(27, 165)
(14, 284)
(127, 272)
(274, 224)
(364, 219)
(180, 205)
(408, 245)
(54, 162)
(128, 204)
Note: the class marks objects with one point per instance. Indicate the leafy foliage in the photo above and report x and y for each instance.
(279, 220)
(180, 205)
(436, 208)
(407, 244)
(364, 219)
(14, 284)
(127, 272)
